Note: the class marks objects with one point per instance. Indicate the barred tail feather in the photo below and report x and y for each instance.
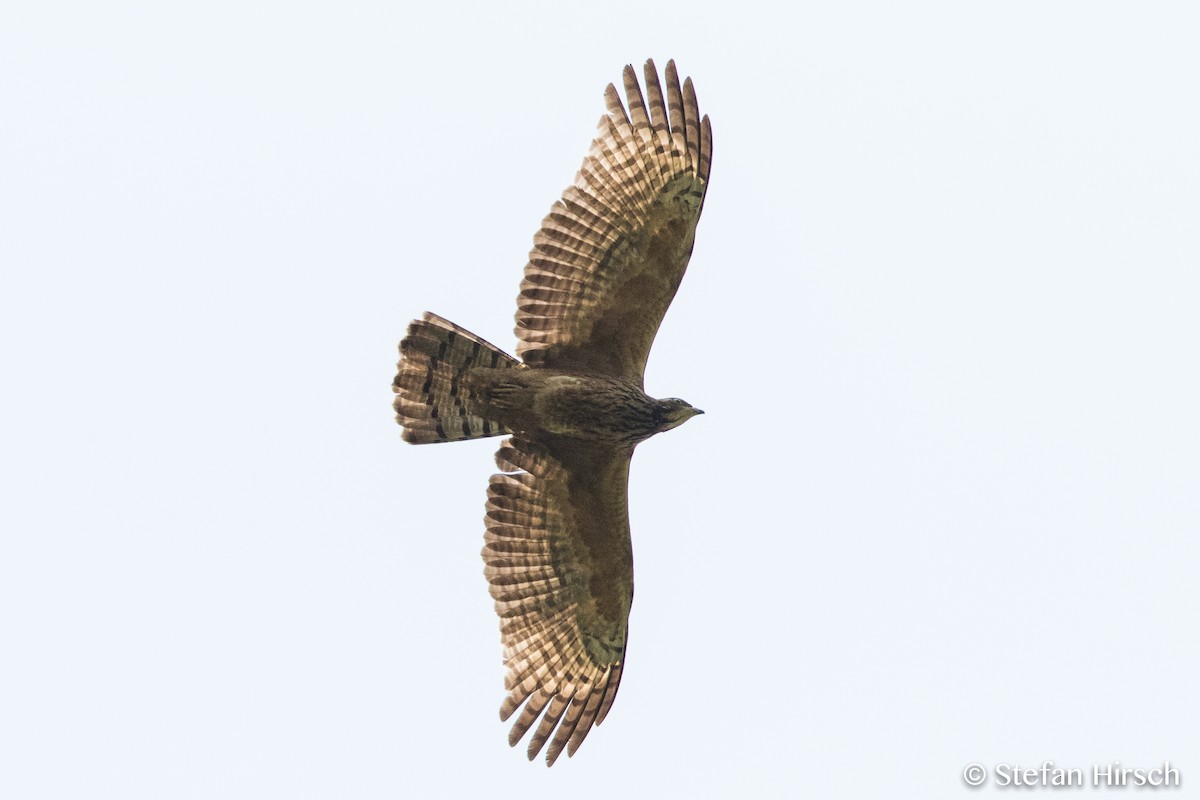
(430, 404)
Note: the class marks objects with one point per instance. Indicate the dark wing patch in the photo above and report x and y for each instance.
(610, 255)
(560, 567)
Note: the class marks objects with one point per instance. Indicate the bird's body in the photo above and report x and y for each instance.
(575, 406)
(544, 403)
(605, 265)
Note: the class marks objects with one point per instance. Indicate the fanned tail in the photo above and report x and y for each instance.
(430, 404)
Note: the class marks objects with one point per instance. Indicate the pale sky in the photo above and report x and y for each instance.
(942, 316)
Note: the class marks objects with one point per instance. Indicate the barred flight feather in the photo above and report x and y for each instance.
(622, 234)
(551, 630)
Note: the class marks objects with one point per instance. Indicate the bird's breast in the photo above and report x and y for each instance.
(595, 408)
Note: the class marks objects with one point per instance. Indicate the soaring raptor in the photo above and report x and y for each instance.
(603, 269)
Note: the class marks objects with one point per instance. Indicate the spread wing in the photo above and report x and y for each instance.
(560, 568)
(611, 253)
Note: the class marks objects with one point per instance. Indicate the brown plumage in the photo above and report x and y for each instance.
(604, 268)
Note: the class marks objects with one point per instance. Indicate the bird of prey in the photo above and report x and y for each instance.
(603, 269)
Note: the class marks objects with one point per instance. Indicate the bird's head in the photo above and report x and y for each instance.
(673, 412)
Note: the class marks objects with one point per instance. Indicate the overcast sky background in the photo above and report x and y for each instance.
(942, 314)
